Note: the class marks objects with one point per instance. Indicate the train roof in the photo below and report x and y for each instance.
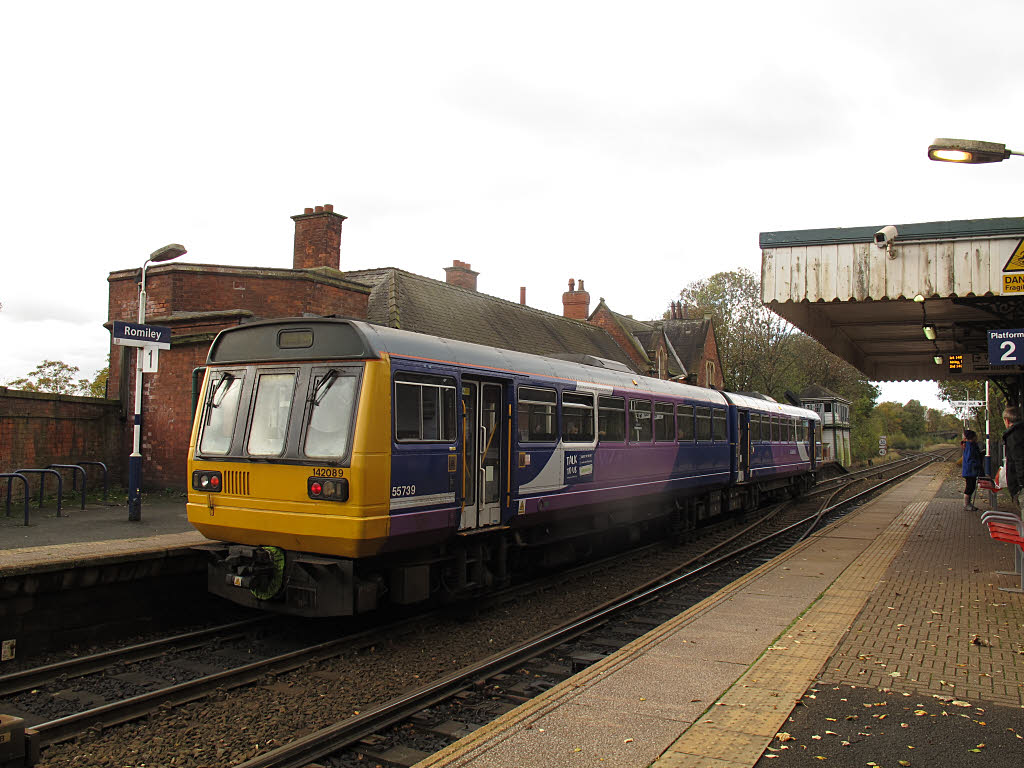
(770, 406)
(322, 338)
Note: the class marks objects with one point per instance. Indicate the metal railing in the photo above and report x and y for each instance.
(11, 476)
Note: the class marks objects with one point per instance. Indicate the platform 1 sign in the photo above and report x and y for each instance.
(1006, 347)
(137, 335)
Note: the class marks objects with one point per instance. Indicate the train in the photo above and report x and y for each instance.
(339, 467)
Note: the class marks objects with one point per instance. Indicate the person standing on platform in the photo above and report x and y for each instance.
(1013, 444)
(972, 466)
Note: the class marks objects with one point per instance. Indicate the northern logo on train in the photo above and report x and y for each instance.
(1013, 270)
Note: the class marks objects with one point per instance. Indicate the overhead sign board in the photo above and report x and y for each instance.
(137, 335)
(1006, 347)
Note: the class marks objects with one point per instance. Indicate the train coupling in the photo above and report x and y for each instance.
(248, 566)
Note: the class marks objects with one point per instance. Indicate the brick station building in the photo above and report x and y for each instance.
(198, 300)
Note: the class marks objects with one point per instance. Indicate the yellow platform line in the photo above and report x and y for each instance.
(737, 729)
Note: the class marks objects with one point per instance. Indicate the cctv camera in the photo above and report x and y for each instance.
(885, 236)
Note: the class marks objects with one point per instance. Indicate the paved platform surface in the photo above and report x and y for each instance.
(100, 530)
(900, 596)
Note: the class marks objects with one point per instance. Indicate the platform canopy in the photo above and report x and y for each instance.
(877, 295)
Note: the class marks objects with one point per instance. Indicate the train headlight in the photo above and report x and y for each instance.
(206, 481)
(324, 489)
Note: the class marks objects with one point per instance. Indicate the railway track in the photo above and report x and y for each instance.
(547, 656)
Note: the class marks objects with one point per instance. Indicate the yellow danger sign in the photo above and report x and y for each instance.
(1013, 270)
(1016, 261)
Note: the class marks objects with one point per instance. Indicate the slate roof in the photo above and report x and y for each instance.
(685, 340)
(817, 392)
(401, 299)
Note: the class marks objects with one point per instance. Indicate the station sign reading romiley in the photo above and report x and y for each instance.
(138, 335)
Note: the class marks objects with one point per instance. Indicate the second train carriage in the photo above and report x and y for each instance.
(345, 465)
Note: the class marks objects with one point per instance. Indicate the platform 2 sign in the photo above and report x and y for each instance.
(1006, 347)
(138, 335)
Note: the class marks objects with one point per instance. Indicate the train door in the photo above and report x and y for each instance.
(483, 457)
(744, 445)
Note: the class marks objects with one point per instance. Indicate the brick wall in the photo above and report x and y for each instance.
(711, 354)
(603, 318)
(197, 301)
(38, 429)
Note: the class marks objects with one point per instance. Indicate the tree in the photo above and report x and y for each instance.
(752, 340)
(60, 378)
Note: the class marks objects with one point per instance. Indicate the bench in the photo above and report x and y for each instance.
(1009, 529)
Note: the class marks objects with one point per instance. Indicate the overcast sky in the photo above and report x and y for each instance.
(638, 146)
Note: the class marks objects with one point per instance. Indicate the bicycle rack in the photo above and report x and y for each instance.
(106, 477)
(42, 483)
(10, 481)
(74, 477)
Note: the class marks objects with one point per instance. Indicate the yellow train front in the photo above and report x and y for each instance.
(289, 462)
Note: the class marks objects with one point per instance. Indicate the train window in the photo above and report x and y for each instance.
(577, 417)
(611, 418)
(221, 409)
(333, 405)
(775, 429)
(640, 430)
(755, 427)
(684, 423)
(718, 428)
(269, 425)
(703, 423)
(425, 409)
(664, 423)
(537, 418)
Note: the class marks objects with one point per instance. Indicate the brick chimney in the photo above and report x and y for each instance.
(576, 304)
(522, 295)
(461, 275)
(317, 238)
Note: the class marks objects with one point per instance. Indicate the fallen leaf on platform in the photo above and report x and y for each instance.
(783, 736)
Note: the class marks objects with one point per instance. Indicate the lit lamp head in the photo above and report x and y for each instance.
(929, 332)
(968, 151)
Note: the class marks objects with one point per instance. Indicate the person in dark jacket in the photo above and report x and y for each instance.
(1013, 442)
(972, 467)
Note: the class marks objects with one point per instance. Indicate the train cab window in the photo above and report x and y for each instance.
(611, 419)
(718, 427)
(332, 408)
(664, 423)
(221, 406)
(537, 417)
(640, 430)
(684, 423)
(269, 424)
(425, 409)
(703, 423)
(775, 429)
(577, 417)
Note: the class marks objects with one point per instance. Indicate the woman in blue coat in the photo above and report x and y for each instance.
(971, 467)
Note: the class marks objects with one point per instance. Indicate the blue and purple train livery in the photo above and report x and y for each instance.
(346, 465)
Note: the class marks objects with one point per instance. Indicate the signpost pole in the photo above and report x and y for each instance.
(166, 253)
(135, 459)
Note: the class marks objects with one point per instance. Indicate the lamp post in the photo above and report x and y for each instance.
(166, 253)
(968, 151)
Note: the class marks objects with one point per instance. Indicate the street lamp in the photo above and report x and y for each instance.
(968, 151)
(166, 253)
